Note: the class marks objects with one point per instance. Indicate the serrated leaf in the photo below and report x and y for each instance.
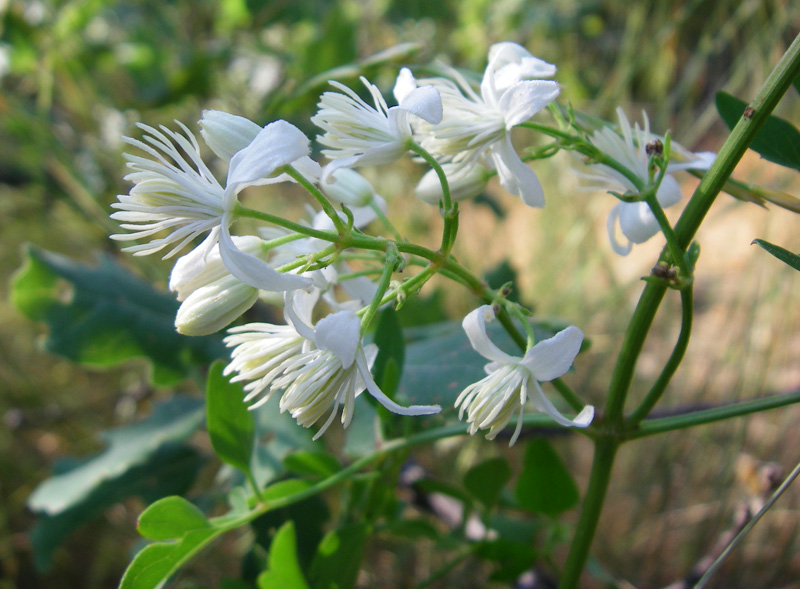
(319, 464)
(171, 421)
(777, 141)
(103, 315)
(338, 558)
(231, 426)
(170, 518)
(284, 570)
(487, 479)
(782, 254)
(545, 485)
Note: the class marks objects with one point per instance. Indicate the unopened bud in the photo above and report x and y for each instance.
(225, 133)
(464, 182)
(348, 187)
(215, 306)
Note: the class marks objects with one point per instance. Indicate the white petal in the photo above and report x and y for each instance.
(298, 306)
(515, 176)
(276, 145)
(381, 397)
(698, 161)
(611, 226)
(542, 403)
(253, 271)
(524, 99)
(474, 325)
(404, 85)
(425, 102)
(340, 333)
(669, 193)
(637, 221)
(225, 133)
(552, 357)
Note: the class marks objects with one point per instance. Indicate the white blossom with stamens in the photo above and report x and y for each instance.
(175, 192)
(319, 367)
(360, 134)
(491, 402)
(476, 127)
(629, 147)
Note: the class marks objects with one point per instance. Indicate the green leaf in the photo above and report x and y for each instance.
(171, 421)
(338, 558)
(171, 470)
(777, 141)
(105, 315)
(545, 485)
(487, 479)
(782, 254)
(156, 563)
(170, 518)
(391, 349)
(231, 426)
(284, 570)
(317, 464)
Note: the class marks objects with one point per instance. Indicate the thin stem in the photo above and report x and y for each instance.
(320, 198)
(242, 211)
(652, 427)
(385, 220)
(655, 393)
(746, 529)
(390, 263)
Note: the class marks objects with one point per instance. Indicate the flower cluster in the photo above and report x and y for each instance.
(316, 362)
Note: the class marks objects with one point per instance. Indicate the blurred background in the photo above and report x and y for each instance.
(76, 76)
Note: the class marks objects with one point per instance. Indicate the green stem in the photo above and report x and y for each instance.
(605, 450)
(389, 264)
(320, 198)
(652, 427)
(568, 394)
(653, 396)
(732, 150)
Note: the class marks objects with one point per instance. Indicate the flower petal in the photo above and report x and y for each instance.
(611, 227)
(543, 404)
(340, 334)
(552, 357)
(276, 145)
(524, 99)
(380, 396)
(637, 221)
(474, 325)
(253, 271)
(515, 176)
(425, 102)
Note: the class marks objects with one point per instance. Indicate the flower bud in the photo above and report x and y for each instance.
(348, 187)
(225, 133)
(213, 307)
(464, 182)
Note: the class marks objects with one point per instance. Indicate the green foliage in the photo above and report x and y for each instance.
(170, 518)
(284, 570)
(487, 480)
(545, 485)
(782, 254)
(145, 459)
(105, 315)
(231, 426)
(315, 464)
(338, 557)
(778, 140)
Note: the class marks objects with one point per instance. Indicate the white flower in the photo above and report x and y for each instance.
(348, 187)
(212, 297)
(490, 403)
(476, 128)
(358, 133)
(636, 220)
(179, 195)
(320, 367)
